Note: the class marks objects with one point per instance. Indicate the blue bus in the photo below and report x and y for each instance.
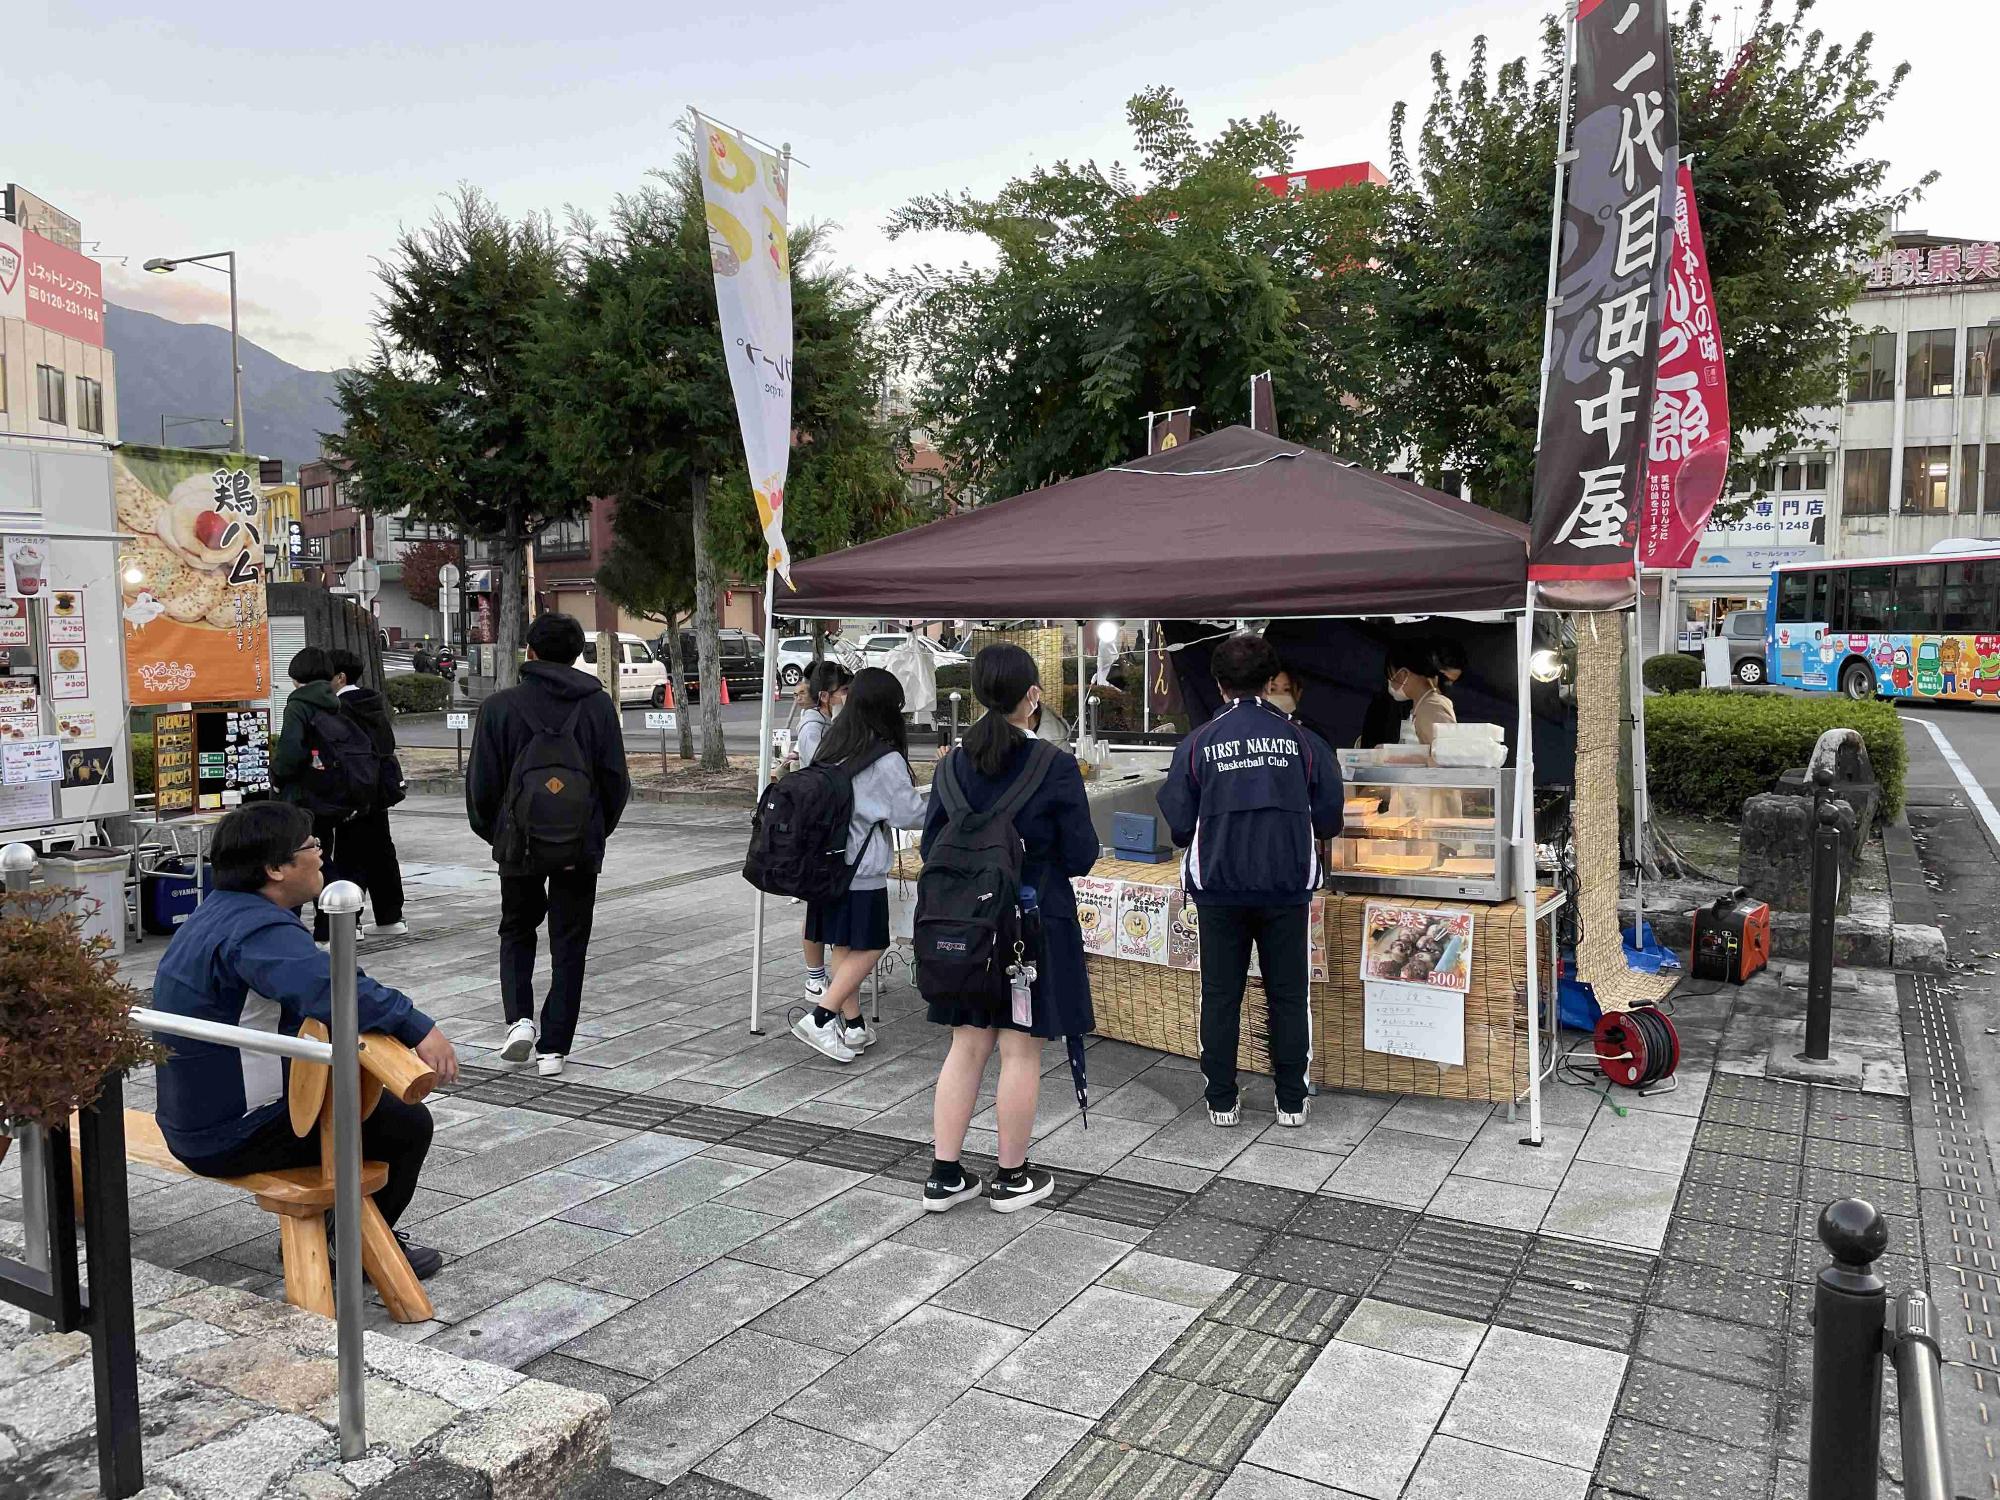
(1901, 627)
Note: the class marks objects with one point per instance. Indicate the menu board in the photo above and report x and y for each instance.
(173, 763)
(20, 709)
(13, 622)
(232, 755)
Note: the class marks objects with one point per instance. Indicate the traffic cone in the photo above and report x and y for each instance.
(725, 692)
(668, 688)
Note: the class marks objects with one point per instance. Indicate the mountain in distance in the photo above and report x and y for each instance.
(182, 369)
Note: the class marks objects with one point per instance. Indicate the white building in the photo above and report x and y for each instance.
(1912, 457)
(57, 380)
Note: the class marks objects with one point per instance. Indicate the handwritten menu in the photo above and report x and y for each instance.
(13, 622)
(20, 709)
(1097, 913)
(173, 763)
(66, 619)
(1142, 922)
(232, 755)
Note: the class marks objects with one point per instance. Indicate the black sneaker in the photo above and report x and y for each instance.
(1029, 1185)
(938, 1197)
(424, 1261)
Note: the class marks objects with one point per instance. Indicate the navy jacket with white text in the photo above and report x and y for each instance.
(1249, 794)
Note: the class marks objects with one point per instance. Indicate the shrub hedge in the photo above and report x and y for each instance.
(1672, 673)
(1707, 751)
(415, 692)
(142, 762)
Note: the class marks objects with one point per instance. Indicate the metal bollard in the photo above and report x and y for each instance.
(17, 866)
(1920, 1399)
(954, 716)
(1849, 1309)
(1825, 896)
(341, 901)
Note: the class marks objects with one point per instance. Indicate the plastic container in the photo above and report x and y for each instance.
(167, 898)
(97, 875)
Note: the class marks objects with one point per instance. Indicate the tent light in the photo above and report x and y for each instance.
(135, 574)
(1545, 665)
(1107, 632)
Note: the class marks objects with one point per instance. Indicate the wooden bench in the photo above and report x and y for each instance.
(301, 1196)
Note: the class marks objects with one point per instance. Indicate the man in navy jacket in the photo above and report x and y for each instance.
(1249, 795)
(244, 959)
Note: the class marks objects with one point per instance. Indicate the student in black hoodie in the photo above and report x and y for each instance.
(551, 694)
(367, 853)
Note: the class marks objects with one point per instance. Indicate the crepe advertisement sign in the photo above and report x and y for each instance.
(192, 578)
(1097, 913)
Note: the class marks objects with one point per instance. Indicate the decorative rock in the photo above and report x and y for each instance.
(49, 1351)
(265, 1369)
(1843, 753)
(318, 1484)
(1918, 946)
(537, 1440)
(466, 1384)
(433, 1479)
(398, 1418)
(366, 1471)
(1775, 858)
(246, 1463)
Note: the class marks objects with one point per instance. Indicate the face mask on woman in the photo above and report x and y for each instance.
(1397, 688)
(1284, 703)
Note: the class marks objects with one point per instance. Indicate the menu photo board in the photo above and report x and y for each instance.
(232, 755)
(173, 763)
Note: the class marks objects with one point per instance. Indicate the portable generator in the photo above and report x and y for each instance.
(1732, 938)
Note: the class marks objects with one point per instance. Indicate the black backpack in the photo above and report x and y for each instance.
(343, 773)
(544, 824)
(798, 837)
(969, 927)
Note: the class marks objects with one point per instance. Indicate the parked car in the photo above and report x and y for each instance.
(877, 649)
(640, 675)
(741, 660)
(795, 654)
(1744, 630)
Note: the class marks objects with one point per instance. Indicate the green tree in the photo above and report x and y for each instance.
(442, 418)
(650, 571)
(1111, 295)
(1790, 204)
(637, 405)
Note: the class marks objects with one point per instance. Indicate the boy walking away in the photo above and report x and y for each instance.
(545, 787)
(325, 761)
(1249, 794)
(367, 850)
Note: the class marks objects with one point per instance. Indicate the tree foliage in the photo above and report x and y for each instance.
(442, 418)
(1789, 200)
(421, 561)
(1116, 293)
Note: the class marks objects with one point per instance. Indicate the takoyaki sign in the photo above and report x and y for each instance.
(192, 577)
(1416, 967)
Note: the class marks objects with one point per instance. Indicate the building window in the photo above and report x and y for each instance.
(49, 395)
(1990, 489)
(1927, 480)
(1982, 360)
(89, 404)
(340, 547)
(1871, 369)
(1865, 482)
(404, 529)
(315, 498)
(1933, 354)
(1968, 479)
(565, 539)
(1816, 476)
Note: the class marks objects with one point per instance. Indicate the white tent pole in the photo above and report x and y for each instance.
(1146, 679)
(1524, 846)
(763, 780)
(1082, 690)
(1638, 679)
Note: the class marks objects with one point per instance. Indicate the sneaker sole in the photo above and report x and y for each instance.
(1294, 1122)
(823, 1047)
(972, 1189)
(517, 1052)
(1225, 1121)
(1015, 1202)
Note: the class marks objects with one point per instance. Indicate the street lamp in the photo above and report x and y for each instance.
(160, 266)
(171, 419)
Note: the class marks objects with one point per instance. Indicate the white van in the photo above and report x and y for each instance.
(639, 671)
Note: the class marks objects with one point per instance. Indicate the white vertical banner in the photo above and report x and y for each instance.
(744, 190)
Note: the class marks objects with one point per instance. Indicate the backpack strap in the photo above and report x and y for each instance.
(950, 793)
(853, 766)
(1041, 759)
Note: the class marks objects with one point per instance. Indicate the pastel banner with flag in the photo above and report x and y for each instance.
(744, 191)
(1688, 459)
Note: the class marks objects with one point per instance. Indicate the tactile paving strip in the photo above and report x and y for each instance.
(1745, 1250)
(782, 1137)
(1715, 1203)
(1419, 1284)
(1318, 1263)
(1195, 1423)
(1701, 1405)
(1307, 1314)
(1709, 1346)
(1207, 1242)
(1786, 1116)
(1903, 1231)
(1464, 1248)
(866, 1153)
(1889, 1134)
(1137, 1203)
(1582, 1317)
(1744, 1174)
(636, 1113)
(1834, 1107)
(1099, 1469)
(710, 1123)
(1654, 1463)
(1822, 1185)
(1749, 1086)
(1595, 1268)
(564, 1102)
(1351, 1222)
(1729, 1295)
(1869, 1161)
(1249, 1203)
(1740, 1140)
(1238, 1359)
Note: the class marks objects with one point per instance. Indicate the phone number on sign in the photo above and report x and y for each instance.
(89, 312)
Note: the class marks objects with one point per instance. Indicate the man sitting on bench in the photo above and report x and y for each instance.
(245, 959)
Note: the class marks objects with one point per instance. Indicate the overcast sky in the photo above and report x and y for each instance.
(303, 136)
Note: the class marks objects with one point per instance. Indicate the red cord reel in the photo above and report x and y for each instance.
(1638, 1047)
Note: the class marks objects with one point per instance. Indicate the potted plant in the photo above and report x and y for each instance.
(64, 1026)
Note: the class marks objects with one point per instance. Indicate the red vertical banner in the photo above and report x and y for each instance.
(1687, 460)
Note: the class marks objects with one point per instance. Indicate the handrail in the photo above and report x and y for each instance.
(243, 1038)
(1913, 1350)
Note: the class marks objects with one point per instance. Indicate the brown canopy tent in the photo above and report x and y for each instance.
(1232, 525)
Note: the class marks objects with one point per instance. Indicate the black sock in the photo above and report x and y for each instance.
(946, 1173)
(821, 1015)
(1013, 1174)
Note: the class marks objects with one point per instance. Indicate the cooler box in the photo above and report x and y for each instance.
(167, 898)
(98, 877)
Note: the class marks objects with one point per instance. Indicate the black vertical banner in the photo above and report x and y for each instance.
(1617, 224)
(1263, 404)
(1169, 429)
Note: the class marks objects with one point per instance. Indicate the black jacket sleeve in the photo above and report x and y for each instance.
(1077, 845)
(614, 781)
(1324, 789)
(1180, 799)
(486, 771)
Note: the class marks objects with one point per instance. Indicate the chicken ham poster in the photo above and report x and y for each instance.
(192, 577)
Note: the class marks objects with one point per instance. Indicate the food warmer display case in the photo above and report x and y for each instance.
(1425, 831)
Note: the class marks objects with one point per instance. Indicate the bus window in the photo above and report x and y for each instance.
(1917, 590)
(1969, 606)
(1793, 594)
(1819, 607)
(1868, 598)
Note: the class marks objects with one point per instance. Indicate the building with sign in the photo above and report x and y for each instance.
(57, 380)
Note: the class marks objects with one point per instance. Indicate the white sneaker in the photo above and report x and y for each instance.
(392, 929)
(827, 1039)
(815, 986)
(858, 1033)
(324, 947)
(1225, 1119)
(520, 1042)
(549, 1064)
(1292, 1119)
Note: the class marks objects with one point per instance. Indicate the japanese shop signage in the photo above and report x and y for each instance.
(1935, 265)
(1617, 221)
(61, 290)
(1687, 459)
